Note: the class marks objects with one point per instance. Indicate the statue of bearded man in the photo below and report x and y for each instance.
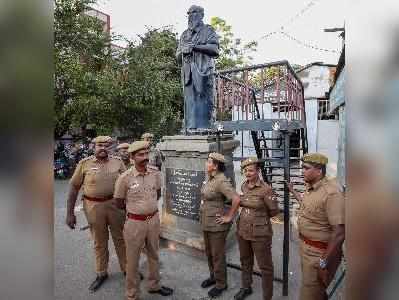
(198, 46)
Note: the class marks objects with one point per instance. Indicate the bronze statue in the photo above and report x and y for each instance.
(198, 46)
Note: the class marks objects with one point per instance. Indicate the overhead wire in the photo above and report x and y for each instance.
(284, 33)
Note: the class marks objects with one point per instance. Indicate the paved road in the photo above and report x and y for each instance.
(74, 265)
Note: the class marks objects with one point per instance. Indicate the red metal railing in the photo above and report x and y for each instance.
(273, 84)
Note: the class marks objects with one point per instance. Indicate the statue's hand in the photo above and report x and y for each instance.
(187, 48)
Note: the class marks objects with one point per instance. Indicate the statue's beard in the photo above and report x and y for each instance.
(193, 23)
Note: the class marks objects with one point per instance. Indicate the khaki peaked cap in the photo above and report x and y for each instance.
(316, 158)
(147, 135)
(217, 156)
(102, 139)
(138, 145)
(123, 146)
(249, 161)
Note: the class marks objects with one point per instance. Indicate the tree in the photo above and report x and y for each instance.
(153, 86)
(233, 53)
(125, 92)
(81, 54)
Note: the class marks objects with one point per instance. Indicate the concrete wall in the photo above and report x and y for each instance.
(327, 143)
(341, 168)
(311, 109)
(316, 81)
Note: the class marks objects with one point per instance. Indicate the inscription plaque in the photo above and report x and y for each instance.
(184, 189)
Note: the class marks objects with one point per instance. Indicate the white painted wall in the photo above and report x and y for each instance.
(311, 109)
(327, 143)
(341, 169)
(245, 137)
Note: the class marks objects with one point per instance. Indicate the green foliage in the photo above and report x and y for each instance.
(126, 91)
(233, 53)
(154, 82)
(81, 54)
(269, 75)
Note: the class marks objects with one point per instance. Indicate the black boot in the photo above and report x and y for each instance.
(95, 285)
(208, 282)
(163, 291)
(216, 292)
(243, 293)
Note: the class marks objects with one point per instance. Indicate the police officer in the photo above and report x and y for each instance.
(155, 154)
(254, 230)
(215, 223)
(97, 175)
(124, 154)
(139, 188)
(321, 225)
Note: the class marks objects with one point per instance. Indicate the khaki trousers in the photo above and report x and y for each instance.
(101, 217)
(262, 251)
(215, 243)
(312, 288)
(139, 234)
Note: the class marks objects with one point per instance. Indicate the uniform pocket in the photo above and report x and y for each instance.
(91, 177)
(261, 227)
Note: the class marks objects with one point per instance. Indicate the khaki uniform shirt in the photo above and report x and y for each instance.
(258, 206)
(322, 207)
(214, 193)
(97, 177)
(140, 190)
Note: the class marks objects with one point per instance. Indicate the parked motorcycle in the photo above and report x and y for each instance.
(61, 169)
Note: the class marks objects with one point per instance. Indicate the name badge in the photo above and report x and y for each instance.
(134, 185)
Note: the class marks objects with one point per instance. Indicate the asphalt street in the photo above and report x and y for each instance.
(74, 265)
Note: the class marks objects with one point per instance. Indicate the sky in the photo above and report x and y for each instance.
(250, 20)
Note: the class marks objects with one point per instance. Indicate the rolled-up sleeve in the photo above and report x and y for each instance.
(226, 188)
(78, 176)
(270, 200)
(120, 188)
(335, 208)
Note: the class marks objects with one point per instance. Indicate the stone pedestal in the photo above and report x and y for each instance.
(183, 174)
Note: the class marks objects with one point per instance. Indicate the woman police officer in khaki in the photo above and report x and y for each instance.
(214, 223)
(254, 231)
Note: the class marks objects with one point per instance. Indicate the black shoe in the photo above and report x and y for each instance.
(95, 285)
(208, 282)
(216, 292)
(141, 275)
(243, 293)
(163, 291)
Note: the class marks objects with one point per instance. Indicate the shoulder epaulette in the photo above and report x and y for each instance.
(330, 186)
(86, 158)
(127, 172)
(116, 157)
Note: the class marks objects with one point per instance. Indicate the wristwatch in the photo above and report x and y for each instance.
(323, 263)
